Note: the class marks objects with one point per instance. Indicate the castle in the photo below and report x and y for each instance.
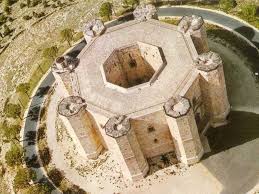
(142, 89)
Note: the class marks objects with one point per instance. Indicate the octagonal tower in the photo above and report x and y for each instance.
(83, 129)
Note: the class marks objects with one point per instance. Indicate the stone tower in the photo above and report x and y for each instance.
(129, 153)
(82, 126)
(182, 124)
(213, 87)
(194, 25)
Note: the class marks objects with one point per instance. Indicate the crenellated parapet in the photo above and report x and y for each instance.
(213, 87)
(64, 64)
(81, 126)
(183, 128)
(194, 25)
(145, 12)
(93, 29)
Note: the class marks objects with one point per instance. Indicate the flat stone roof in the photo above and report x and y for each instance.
(179, 53)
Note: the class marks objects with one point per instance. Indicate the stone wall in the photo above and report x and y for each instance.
(197, 103)
(153, 134)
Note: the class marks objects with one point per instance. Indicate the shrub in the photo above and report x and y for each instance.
(248, 11)
(14, 156)
(23, 177)
(22, 5)
(12, 110)
(26, 17)
(43, 188)
(23, 88)
(7, 30)
(10, 132)
(35, 2)
(67, 35)
(227, 5)
(45, 3)
(50, 53)
(45, 156)
(56, 176)
(130, 3)
(105, 10)
(3, 19)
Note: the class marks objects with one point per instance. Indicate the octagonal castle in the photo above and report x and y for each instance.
(142, 89)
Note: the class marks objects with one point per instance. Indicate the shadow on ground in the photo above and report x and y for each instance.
(242, 127)
(249, 33)
(237, 167)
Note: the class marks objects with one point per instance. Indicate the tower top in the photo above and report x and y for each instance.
(92, 29)
(177, 107)
(71, 105)
(208, 61)
(117, 126)
(190, 23)
(65, 64)
(145, 12)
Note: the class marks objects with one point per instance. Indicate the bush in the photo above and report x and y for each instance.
(105, 10)
(43, 188)
(130, 3)
(10, 132)
(56, 176)
(7, 30)
(45, 156)
(3, 19)
(38, 15)
(12, 110)
(23, 88)
(23, 177)
(67, 35)
(22, 5)
(26, 17)
(248, 11)
(50, 53)
(14, 156)
(227, 5)
(35, 2)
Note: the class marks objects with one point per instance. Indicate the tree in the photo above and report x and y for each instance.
(12, 110)
(23, 88)
(43, 188)
(10, 132)
(130, 3)
(56, 176)
(106, 10)
(50, 53)
(14, 156)
(67, 35)
(7, 30)
(23, 177)
(227, 5)
(249, 11)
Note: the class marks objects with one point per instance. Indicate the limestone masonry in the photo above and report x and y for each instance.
(142, 89)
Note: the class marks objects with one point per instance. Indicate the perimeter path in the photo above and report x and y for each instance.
(32, 117)
(229, 22)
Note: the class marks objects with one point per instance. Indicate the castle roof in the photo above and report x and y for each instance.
(176, 50)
